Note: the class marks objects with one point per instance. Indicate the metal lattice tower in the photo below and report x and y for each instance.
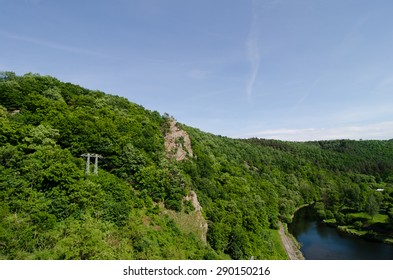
(88, 156)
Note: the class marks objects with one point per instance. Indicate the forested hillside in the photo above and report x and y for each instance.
(138, 206)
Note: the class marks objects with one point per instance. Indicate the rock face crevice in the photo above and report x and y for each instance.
(177, 142)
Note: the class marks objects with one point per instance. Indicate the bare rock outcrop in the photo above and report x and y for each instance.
(178, 147)
(177, 142)
(194, 200)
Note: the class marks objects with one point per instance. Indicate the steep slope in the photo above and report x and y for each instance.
(51, 209)
(164, 190)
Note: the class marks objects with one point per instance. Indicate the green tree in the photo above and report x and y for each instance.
(372, 206)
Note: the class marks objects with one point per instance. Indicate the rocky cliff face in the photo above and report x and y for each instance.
(177, 143)
(178, 147)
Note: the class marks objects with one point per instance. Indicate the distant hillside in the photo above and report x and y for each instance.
(164, 190)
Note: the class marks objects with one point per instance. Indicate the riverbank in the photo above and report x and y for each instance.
(300, 207)
(326, 242)
(361, 233)
(292, 248)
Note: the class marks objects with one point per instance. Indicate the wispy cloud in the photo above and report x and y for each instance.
(253, 53)
(252, 42)
(51, 44)
(381, 130)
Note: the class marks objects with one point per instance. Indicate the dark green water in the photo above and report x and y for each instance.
(321, 242)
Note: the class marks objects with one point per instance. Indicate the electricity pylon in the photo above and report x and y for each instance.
(88, 156)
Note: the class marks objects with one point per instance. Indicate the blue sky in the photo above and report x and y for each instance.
(284, 69)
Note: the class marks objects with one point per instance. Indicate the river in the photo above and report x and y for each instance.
(321, 242)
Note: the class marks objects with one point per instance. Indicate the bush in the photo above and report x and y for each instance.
(321, 213)
(340, 218)
(329, 214)
(358, 224)
(188, 207)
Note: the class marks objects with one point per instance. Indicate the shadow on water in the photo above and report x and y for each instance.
(321, 242)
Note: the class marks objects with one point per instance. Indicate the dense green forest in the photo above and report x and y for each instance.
(137, 206)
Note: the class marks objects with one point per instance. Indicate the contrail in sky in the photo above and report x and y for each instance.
(253, 54)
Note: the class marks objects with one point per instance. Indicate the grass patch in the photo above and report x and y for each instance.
(330, 221)
(351, 230)
(193, 223)
(379, 218)
(389, 241)
(279, 250)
